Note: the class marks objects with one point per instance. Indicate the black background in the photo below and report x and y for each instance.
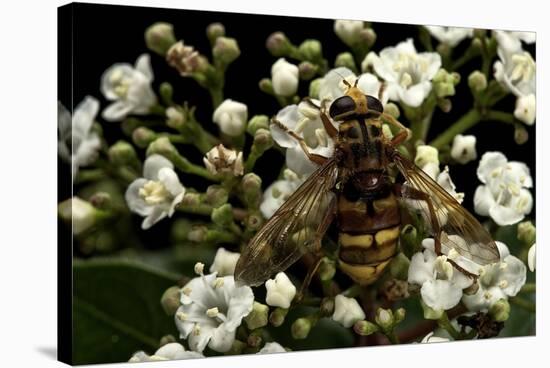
(106, 34)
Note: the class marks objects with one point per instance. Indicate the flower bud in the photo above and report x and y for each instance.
(162, 146)
(284, 76)
(367, 36)
(257, 122)
(252, 189)
(216, 195)
(254, 340)
(314, 87)
(129, 125)
(348, 30)
(142, 137)
(280, 291)
(226, 50)
(527, 233)
(399, 266)
(327, 269)
(191, 199)
(258, 317)
(197, 234)
(278, 44)
(409, 239)
(521, 135)
(225, 262)
(170, 300)
(392, 109)
(277, 317)
(532, 257)
(237, 348)
(463, 149)
(166, 92)
(479, 33)
(175, 118)
(82, 214)
(346, 60)
(101, 200)
(426, 155)
(399, 315)
(307, 70)
(384, 318)
(444, 82)
(186, 60)
(223, 215)
(262, 140)
(477, 44)
(477, 81)
(167, 339)
(347, 311)
(180, 230)
(266, 86)
(365, 328)
(215, 30)
(220, 160)
(300, 328)
(444, 49)
(122, 153)
(159, 37)
(327, 307)
(311, 50)
(445, 104)
(500, 311)
(526, 109)
(231, 116)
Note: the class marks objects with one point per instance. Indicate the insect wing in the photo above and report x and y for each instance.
(291, 231)
(459, 230)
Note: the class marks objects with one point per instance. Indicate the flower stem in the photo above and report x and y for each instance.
(444, 323)
(216, 94)
(528, 288)
(467, 121)
(392, 336)
(187, 167)
(523, 303)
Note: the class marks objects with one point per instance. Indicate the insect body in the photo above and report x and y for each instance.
(355, 188)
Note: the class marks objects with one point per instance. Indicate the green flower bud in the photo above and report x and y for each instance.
(262, 140)
(266, 85)
(254, 221)
(300, 328)
(399, 267)
(384, 318)
(444, 83)
(444, 49)
(392, 109)
(166, 92)
(367, 36)
(314, 87)
(477, 81)
(365, 328)
(191, 199)
(80, 213)
(307, 70)
(252, 189)
(399, 315)
(101, 200)
(278, 44)
(216, 195)
(142, 137)
(162, 146)
(258, 317)
(122, 153)
(521, 135)
(170, 300)
(327, 269)
(445, 104)
(175, 118)
(105, 242)
(223, 215)
(198, 233)
(327, 307)
(345, 59)
(129, 125)
(500, 311)
(527, 233)
(480, 33)
(237, 348)
(214, 31)
(167, 339)
(277, 317)
(226, 50)
(254, 340)
(159, 37)
(257, 122)
(477, 44)
(409, 240)
(311, 50)
(430, 313)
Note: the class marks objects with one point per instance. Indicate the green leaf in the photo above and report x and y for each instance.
(117, 310)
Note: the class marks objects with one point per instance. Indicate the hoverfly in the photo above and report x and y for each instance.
(355, 187)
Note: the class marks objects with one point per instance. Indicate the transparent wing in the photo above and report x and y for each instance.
(459, 230)
(292, 230)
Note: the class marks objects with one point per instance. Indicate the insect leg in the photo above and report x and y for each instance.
(318, 159)
(415, 194)
(404, 132)
(381, 90)
(331, 130)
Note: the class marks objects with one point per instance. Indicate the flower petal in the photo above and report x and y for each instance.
(157, 214)
(440, 294)
(483, 200)
(153, 164)
(117, 110)
(134, 201)
(143, 65)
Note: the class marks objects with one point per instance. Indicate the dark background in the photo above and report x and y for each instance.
(106, 34)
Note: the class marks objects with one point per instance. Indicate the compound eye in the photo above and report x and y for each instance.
(374, 104)
(342, 105)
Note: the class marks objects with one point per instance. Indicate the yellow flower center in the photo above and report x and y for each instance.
(154, 192)
(120, 83)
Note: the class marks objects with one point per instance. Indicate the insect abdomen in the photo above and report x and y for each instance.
(368, 236)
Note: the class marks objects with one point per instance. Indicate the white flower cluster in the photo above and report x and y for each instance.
(504, 194)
